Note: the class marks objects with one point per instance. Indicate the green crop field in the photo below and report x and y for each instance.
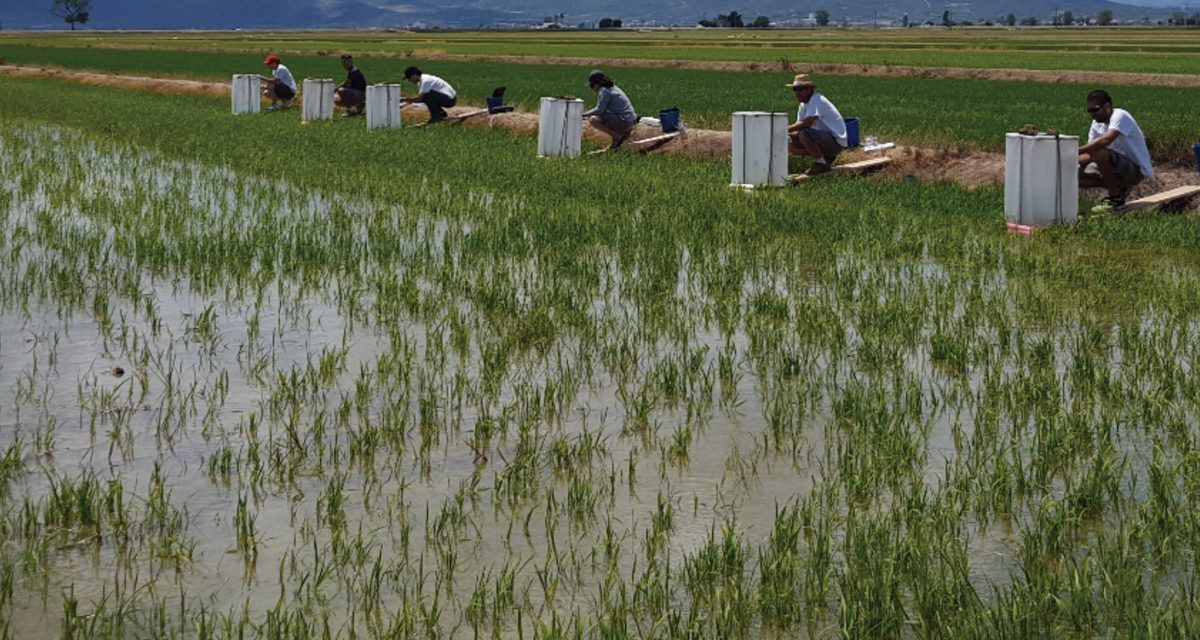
(1137, 50)
(970, 113)
(266, 380)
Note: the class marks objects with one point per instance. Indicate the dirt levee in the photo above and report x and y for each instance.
(969, 168)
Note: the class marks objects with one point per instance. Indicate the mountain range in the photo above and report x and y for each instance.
(306, 14)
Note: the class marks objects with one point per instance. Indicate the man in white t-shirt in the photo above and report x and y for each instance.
(1115, 156)
(281, 88)
(819, 131)
(432, 91)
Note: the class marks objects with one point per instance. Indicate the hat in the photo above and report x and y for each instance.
(802, 80)
(595, 77)
(271, 58)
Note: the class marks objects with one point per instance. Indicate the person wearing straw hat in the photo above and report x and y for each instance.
(614, 114)
(1115, 157)
(352, 92)
(281, 88)
(432, 91)
(819, 131)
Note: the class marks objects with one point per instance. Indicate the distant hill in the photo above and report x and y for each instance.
(300, 14)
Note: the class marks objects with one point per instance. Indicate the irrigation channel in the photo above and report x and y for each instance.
(236, 407)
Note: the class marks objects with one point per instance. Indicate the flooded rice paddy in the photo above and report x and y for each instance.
(236, 407)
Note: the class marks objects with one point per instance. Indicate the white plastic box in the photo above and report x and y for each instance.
(560, 127)
(1041, 182)
(246, 93)
(383, 106)
(760, 148)
(318, 99)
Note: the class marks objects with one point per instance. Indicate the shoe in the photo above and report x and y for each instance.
(350, 113)
(436, 119)
(1109, 204)
(274, 107)
(617, 142)
(818, 168)
(286, 104)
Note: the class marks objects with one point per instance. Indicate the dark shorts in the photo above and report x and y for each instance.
(824, 139)
(353, 96)
(1128, 172)
(613, 123)
(283, 91)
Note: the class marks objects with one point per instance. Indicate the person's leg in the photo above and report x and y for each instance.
(338, 101)
(1100, 161)
(269, 93)
(354, 100)
(802, 143)
(437, 104)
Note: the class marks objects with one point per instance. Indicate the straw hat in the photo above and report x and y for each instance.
(802, 80)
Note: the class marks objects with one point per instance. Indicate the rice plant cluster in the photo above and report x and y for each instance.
(248, 393)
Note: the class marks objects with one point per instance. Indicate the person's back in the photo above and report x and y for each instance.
(828, 117)
(282, 74)
(1131, 142)
(614, 101)
(356, 80)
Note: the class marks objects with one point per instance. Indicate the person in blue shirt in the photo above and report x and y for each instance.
(614, 114)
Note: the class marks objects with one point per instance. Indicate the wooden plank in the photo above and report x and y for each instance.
(663, 138)
(862, 166)
(1157, 200)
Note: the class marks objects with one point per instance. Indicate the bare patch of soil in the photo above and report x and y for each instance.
(157, 85)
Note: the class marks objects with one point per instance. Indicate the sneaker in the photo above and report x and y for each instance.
(350, 113)
(274, 107)
(1109, 204)
(436, 119)
(617, 142)
(818, 168)
(286, 104)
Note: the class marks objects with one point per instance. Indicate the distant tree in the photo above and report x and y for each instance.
(1029, 21)
(606, 23)
(73, 11)
(1010, 20)
(709, 23)
(906, 20)
(1068, 18)
(761, 22)
(617, 22)
(946, 19)
(732, 20)
(1105, 17)
(822, 18)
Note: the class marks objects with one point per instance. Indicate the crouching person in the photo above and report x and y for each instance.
(614, 114)
(280, 89)
(351, 94)
(1115, 157)
(432, 91)
(819, 131)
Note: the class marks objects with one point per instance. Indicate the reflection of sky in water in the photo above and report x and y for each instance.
(188, 391)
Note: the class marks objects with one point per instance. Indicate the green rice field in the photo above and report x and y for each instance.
(265, 380)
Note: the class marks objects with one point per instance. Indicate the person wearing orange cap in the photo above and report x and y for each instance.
(280, 89)
(819, 131)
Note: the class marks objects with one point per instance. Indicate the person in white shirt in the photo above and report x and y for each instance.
(819, 131)
(281, 88)
(1115, 156)
(432, 91)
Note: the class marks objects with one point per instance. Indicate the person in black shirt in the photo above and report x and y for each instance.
(351, 94)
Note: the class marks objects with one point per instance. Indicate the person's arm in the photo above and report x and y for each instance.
(1101, 142)
(600, 106)
(803, 124)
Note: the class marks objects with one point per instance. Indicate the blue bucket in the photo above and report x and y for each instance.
(1196, 151)
(851, 132)
(669, 119)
